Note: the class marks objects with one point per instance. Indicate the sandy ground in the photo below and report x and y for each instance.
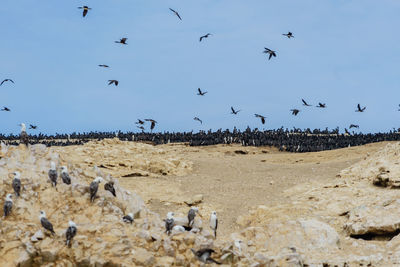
(232, 182)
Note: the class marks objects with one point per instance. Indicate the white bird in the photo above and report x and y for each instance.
(94, 186)
(23, 137)
(8, 205)
(53, 174)
(71, 232)
(214, 222)
(64, 175)
(45, 223)
(16, 183)
(178, 228)
(169, 222)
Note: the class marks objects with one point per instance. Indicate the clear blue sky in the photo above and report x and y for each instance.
(344, 52)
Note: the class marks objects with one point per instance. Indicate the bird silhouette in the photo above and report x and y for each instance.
(197, 119)
(321, 105)
(261, 117)
(271, 53)
(176, 13)
(113, 82)
(140, 122)
(5, 109)
(205, 36)
(141, 128)
(200, 92)
(295, 111)
(235, 112)
(85, 10)
(153, 123)
(305, 103)
(6, 80)
(359, 109)
(104, 66)
(122, 41)
(288, 35)
(354, 126)
(31, 126)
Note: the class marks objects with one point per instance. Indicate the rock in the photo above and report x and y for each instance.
(24, 259)
(165, 261)
(194, 200)
(143, 258)
(37, 236)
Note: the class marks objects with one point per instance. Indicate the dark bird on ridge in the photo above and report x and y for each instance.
(45, 222)
(235, 112)
(122, 41)
(176, 13)
(261, 117)
(271, 53)
(113, 82)
(321, 105)
(6, 80)
(295, 111)
(70, 233)
(288, 35)
(305, 103)
(5, 109)
(201, 93)
(110, 187)
(354, 126)
(153, 123)
(205, 36)
(104, 66)
(346, 131)
(85, 10)
(359, 109)
(33, 127)
(204, 255)
(197, 119)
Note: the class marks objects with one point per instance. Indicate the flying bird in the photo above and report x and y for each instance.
(295, 111)
(33, 127)
(169, 222)
(235, 112)
(5, 109)
(94, 186)
(45, 223)
(261, 117)
(53, 174)
(122, 41)
(139, 122)
(359, 109)
(104, 66)
(205, 36)
(271, 53)
(110, 187)
(141, 128)
(204, 255)
(16, 183)
(321, 105)
(128, 218)
(288, 35)
(8, 205)
(197, 119)
(115, 82)
(214, 222)
(70, 233)
(153, 123)
(176, 13)
(305, 103)
(200, 92)
(85, 10)
(354, 126)
(6, 80)
(191, 215)
(64, 175)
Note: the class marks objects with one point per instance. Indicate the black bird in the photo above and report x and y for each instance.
(359, 109)
(288, 35)
(176, 13)
(33, 127)
(205, 36)
(354, 126)
(139, 122)
(346, 131)
(128, 218)
(204, 255)
(153, 123)
(235, 112)
(53, 174)
(71, 232)
(113, 82)
(201, 93)
(8, 205)
(45, 223)
(295, 111)
(6, 80)
(122, 41)
(16, 183)
(141, 128)
(64, 175)
(197, 119)
(261, 117)
(321, 105)
(85, 10)
(270, 52)
(104, 66)
(169, 222)
(191, 215)
(305, 103)
(5, 109)
(110, 187)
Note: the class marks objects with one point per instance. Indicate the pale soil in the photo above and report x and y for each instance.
(234, 183)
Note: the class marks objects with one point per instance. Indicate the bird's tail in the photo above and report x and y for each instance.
(68, 243)
(215, 233)
(214, 261)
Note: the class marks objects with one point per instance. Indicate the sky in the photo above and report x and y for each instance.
(344, 52)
